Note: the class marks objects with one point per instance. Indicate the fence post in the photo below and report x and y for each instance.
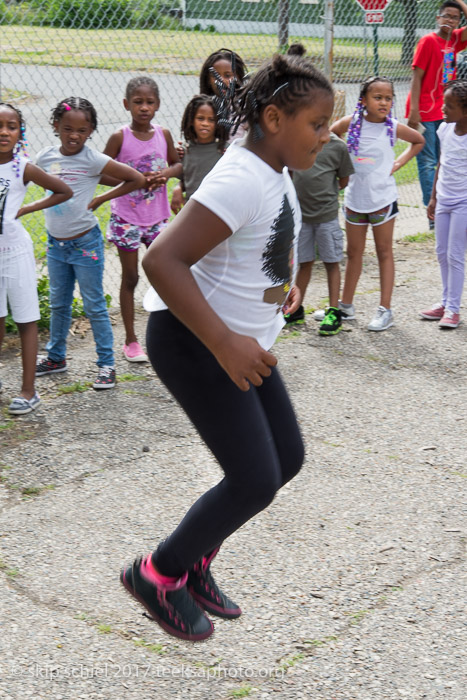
(328, 37)
(283, 24)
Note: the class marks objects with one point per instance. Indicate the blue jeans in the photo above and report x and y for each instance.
(80, 259)
(428, 158)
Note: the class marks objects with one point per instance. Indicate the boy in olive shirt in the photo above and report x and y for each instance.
(317, 190)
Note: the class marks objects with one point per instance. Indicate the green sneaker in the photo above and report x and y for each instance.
(332, 322)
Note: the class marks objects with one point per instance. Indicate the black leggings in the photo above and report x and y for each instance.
(254, 436)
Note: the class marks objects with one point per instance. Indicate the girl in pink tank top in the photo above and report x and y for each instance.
(141, 215)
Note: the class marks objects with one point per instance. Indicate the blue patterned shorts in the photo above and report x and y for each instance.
(130, 236)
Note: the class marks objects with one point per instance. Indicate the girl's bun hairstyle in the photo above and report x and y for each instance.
(285, 81)
(77, 104)
(296, 50)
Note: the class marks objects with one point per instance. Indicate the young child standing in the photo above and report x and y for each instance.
(75, 247)
(371, 197)
(204, 146)
(317, 191)
(224, 268)
(141, 215)
(448, 205)
(17, 263)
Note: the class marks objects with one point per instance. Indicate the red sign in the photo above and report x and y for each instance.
(374, 17)
(373, 5)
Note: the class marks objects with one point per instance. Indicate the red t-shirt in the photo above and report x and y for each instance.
(437, 57)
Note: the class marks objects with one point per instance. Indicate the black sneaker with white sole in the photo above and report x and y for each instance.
(105, 379)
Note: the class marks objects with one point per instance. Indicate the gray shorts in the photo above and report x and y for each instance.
(327, 237)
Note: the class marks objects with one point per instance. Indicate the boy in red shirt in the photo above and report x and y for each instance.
(434, 64)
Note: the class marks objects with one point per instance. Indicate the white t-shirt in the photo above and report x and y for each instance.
(247, 277)
(372, 186)
(15, 241)
(82, 173)
(451, 186)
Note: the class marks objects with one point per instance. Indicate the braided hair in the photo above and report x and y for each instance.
(139, 81)
(296, 50)
(355, 128)
(22, 143)
(188, 120)
(223, 54)
(78, 104)
(284, 81)
(459, 91)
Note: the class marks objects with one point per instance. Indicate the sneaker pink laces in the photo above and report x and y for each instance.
(134, 353)
(434, 314)
(449, 320)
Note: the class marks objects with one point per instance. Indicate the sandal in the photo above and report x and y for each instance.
(20, 405)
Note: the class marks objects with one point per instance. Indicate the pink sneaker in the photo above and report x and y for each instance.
(436, 313)
(450, 320)
(134, 353)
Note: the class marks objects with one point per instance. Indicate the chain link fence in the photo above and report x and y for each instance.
(51, 49)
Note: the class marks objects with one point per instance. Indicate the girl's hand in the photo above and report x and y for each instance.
(22, 211)
(293, 301)
(430, 211)
(178, 200)
(245, 361)
(180, 150)
(396, 166)
(95, 203)
(155, 180)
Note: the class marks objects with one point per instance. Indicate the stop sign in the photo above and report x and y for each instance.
(370, 5)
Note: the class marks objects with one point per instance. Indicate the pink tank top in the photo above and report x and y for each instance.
(140, 206)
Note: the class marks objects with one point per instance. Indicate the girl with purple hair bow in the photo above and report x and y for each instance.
(371, 196)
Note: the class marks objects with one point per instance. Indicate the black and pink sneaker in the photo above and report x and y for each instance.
(167, 601)
(45, 365)
(207, 593)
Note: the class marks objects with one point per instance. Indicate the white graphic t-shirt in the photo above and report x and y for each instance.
(247, 277)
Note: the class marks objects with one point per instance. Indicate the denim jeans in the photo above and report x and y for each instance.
(427, 159)
(80, 259)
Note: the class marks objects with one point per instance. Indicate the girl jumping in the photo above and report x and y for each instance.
(75, 247)
(224, 270)
(448, 205)
(17, 263)
(204, 146)
(140, 216)
(371, 196)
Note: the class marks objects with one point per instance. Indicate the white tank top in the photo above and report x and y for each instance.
(372, 187)
(12, 191)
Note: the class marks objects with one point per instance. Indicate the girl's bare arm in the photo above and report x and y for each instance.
(190, 236)
(341, 126)
(60, 191)
(416, 141)
(129, 179)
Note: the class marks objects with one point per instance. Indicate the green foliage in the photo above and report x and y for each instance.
(91, 14)
(43, 291)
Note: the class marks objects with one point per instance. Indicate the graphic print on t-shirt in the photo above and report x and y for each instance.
(278, 256)
(4, 189)
(449, 66)
(149, 163)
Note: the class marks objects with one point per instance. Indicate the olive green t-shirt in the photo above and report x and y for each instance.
(318, 188)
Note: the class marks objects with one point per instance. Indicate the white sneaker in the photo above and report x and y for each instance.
(348, 312)
(382, 320)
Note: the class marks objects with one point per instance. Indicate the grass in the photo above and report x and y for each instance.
(409, 172)
(75, 387)
(179, 52)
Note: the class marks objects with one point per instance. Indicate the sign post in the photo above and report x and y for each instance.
(374, 15)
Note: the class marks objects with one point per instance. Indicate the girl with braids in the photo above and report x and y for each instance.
(371, 196)
(17, 263)
(140, 216)
(204, 146)
(222, 75)
(224, 270)
(448, 205)
(75, 248)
